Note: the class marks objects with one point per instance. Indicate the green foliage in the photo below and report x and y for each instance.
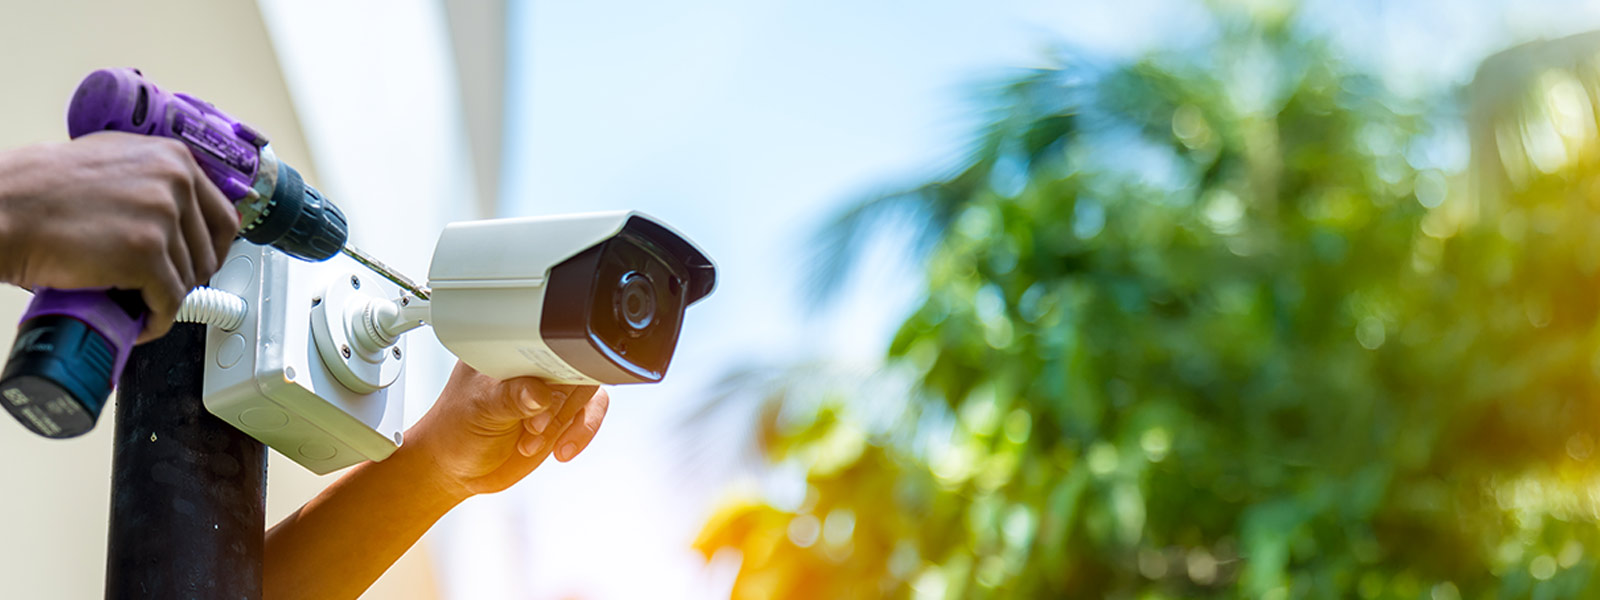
(1207, 326)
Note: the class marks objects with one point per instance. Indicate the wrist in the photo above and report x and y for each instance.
(429, 474)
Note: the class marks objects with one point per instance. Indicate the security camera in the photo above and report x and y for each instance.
(593, 298)
(308, 357)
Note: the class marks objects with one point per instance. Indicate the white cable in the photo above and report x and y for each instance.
(212, 307)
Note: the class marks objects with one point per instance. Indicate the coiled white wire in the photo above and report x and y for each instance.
(214, 307)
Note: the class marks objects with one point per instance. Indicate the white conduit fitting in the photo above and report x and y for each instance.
(212, 307)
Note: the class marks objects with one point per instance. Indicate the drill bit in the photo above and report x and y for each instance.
(383, 270)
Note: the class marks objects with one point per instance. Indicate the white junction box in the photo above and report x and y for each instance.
(268, 377)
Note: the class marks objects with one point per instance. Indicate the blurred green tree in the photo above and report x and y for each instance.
(1215, 324)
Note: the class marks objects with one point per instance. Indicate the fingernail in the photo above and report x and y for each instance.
(535, 446)
(525, 447)
(540, 421)
(567, 452)
(528, 400)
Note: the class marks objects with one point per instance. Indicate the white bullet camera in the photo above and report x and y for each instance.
(308, 357)
(594, 298)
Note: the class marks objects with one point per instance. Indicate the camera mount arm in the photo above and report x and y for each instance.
(381, 322)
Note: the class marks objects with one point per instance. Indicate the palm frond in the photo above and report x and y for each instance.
(1031, 117)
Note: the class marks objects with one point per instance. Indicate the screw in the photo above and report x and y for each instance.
(397, 352)
(406, 301)
(355, 282)
(344, 350)
(317, 300)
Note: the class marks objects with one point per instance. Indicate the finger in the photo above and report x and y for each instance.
(538, 423)
(530, 397)
(197, 237)
(578, 436)
(560, 396)
(551, 423)
(530, 444)
(219, 215)
(575, 402)
(162, 297)
(178, 253)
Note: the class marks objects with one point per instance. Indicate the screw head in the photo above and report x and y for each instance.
(316, 300)
(344, 350)
(355, 282)
(396, 351)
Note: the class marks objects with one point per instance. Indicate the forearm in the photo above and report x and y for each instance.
(479, 438)
(341, 541)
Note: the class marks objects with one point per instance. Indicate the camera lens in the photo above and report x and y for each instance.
(636, 302)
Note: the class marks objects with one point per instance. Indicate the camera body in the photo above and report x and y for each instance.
(588, 299)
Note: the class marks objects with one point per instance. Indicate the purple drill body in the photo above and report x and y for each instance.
(73, 344)
(122, 100)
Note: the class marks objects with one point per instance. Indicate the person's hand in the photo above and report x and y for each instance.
(113, 210)
(484, 434)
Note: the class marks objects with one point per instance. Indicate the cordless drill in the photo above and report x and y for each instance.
(71, 345)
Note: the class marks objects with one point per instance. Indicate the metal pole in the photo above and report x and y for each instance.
(188, 491)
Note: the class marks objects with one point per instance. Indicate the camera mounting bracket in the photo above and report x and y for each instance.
(341, 308)
(268, 377)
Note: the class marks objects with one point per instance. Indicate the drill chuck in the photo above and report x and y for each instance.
(298, 220)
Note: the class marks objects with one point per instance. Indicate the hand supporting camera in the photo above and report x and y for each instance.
(482, 436)
(493, 433)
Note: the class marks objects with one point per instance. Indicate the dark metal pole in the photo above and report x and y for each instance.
(188, 491)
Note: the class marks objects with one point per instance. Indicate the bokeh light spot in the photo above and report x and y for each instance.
(1431, 188)
(839, 526)
(1223, 212)
(1370, 333)
(1156, 441)
(1152, 563)
(1088, 218)
(1543, 567)
(1201, 566)
(1102, 458)
(1570, 554)
(803, 530)
(1018, 425)
(930, 585)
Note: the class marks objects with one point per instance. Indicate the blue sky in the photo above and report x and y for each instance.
(745, 124)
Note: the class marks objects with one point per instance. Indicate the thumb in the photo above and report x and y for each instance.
(526, 397)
